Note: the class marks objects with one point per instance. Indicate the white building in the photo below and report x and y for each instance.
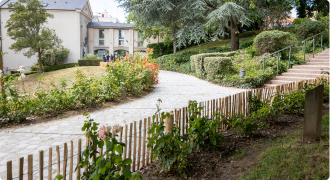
(70, 24)
(73, 24)
(115, 38)
(104, 17)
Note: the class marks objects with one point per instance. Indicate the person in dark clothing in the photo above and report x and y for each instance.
(108, 57)
(111, 58)
(104, 58)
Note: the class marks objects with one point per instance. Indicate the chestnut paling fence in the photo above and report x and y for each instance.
(63, 161)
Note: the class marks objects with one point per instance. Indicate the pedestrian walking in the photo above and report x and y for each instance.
(111, 58)
(108, 57)
(104, 58)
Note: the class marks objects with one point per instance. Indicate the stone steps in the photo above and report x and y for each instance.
(292, 78)
(312, 69)
(306, 71)
(318, 63)
(279, 82)
(307, 75)
(319, 60)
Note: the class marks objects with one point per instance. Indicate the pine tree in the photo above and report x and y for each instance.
(26, 27)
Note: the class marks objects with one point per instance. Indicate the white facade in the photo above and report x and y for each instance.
(111, 42)
(70, 26)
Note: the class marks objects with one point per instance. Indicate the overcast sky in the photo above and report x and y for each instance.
(111, 6)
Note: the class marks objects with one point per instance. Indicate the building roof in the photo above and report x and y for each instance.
(109, 25)
(68, 5)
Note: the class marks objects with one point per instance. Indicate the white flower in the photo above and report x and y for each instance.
(9, 98)
(21, 68)
(23, 76)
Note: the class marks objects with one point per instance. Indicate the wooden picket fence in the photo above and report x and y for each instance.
(135, 135)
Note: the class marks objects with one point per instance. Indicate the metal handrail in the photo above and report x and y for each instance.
(312, 37)
(278, 57)
(292, 46)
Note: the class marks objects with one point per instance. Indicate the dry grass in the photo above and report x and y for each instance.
(46, 80)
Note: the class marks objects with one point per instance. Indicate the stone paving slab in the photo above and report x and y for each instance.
(174, 89)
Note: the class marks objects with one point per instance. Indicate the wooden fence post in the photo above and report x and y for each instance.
(65, 160)
(9, 170)
(20, 168)
(30, 167)
(58, 160)
(41, 164)
(125, 141)
(50, 161)
(139, 148)
(78, 158)
(71, 161)
(148, 149)
(130, 141)
(134, 148)
(144, 141)
(169, 123)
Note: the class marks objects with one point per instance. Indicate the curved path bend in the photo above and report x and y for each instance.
(174, 89)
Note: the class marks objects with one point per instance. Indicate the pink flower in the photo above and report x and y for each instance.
(102, 135)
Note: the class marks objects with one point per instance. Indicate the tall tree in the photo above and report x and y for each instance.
(149, 15)
(26, 27)
(203, 15)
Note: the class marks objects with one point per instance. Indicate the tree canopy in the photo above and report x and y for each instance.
(26, 27)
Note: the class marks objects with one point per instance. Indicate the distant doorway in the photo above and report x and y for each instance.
(100, 52)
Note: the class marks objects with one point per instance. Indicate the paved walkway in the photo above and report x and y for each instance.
(174, 89)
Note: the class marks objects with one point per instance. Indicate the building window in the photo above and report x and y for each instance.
(140, 43)
(101, 37)
(121, 37)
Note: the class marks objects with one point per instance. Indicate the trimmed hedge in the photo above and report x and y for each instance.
(197, 61)
(271, 41)
(54, 67)
(215, 65)
(89, 62)
(160, 49)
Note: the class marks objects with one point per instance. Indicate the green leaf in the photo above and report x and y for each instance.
(127, 161)
(127, 171)
(110, 146)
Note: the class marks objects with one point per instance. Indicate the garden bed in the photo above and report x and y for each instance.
(239, 155)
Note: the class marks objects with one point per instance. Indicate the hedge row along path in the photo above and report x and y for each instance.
(174, 89)
(311, 70)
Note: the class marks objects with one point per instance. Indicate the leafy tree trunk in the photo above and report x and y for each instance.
(234, 34)
(39, 61)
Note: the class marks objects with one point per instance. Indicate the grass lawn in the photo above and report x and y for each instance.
(288, 158)
(47, 79)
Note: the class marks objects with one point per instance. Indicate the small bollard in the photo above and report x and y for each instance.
(241, 73)
(313, 114)
(123, 91)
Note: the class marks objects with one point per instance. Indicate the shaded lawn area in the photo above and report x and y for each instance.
(46, 80)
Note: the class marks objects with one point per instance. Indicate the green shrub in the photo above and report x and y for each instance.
(271, 41)
(89, 62)
(298, 21)
(54, 67)
(247, 34)
(215, 65)
(91, 56)
(246, 43)
(161, 49)
(197, 61)
(309, 28)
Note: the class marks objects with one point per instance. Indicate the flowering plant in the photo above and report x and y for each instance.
(107, 165)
